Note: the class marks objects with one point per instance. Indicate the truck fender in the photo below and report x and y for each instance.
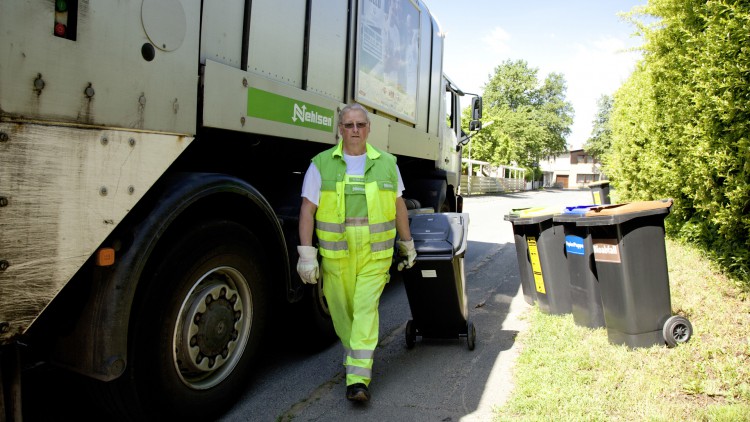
(102, 331)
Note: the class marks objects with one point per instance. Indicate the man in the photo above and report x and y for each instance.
(351, 195)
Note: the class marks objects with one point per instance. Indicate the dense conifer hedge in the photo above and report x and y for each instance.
(681, 124)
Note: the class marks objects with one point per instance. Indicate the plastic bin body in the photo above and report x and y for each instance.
(524, 265)
(585, 296)
(545, 241)
(435, 285)
(631, 265)
(600, 192)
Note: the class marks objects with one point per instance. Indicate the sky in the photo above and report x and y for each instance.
(583, 40)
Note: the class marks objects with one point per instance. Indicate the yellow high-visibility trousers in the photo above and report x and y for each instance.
(352, 287)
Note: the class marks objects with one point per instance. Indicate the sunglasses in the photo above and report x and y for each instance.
(360, 125)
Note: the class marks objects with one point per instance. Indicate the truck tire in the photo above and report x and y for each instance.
(201, 324)
(321, 315)
(431, 193)
(310, 324)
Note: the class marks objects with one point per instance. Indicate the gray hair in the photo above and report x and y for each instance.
(351, 107)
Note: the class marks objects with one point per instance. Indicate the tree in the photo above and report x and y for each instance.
(512, 86)
(600, 141)
(531, 119)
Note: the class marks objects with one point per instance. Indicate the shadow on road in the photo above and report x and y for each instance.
(436, 380)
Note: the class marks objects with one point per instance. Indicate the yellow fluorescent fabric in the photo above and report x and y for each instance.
(352, 286)
(340, 201)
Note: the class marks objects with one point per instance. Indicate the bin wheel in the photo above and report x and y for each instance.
(411, 334)
(471, 335)
(677, 330)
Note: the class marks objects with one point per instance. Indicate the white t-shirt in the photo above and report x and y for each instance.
(355, 165)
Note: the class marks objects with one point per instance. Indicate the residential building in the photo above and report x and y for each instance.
(571, 170)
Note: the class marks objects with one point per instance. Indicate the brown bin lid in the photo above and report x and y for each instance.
(629, 207)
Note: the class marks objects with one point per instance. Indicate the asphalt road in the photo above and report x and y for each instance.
(437, 380)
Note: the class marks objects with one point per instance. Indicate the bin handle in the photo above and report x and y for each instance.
(465, 237)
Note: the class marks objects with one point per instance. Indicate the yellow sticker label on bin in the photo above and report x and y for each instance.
(536, 266)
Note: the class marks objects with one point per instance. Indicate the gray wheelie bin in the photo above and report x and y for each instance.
(585, 298)
(631, 265)
(545, 243)
(435, 285)
(522, 255)
(600, 192)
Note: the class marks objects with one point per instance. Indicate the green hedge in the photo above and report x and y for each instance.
(681, 124)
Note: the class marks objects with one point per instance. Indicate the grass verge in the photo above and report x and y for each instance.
(567, 372)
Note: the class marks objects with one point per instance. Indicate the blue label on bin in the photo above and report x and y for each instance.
(574, 245)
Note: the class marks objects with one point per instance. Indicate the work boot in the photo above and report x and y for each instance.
(357, 392)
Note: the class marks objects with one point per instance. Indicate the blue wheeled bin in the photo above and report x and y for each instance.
(545, 243)
(435, 285)
(585, 298)
(631, 265)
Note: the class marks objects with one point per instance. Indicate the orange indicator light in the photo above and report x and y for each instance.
(105, 257)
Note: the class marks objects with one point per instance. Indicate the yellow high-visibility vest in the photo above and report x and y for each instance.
(341, 202)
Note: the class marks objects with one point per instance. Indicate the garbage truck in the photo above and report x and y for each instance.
(151, 158)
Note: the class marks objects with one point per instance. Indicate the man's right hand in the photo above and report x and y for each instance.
(407, 251)
(307, 266)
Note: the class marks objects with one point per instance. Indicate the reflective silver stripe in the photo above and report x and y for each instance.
(330, 227)
(333, 246)
(356, 179)
(383, 227)
(362, 354)
(380, 246)
(357, 221)
(358, 370)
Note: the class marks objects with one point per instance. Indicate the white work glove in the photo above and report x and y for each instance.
(307, 266)
(407, 251)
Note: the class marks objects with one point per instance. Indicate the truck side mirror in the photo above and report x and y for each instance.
(476, 113)
(476, 108)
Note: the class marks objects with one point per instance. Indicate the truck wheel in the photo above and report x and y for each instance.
(318, 332)
(430, 193)
(202, 321)
(471, 335)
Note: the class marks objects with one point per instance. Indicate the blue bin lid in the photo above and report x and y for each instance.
(580, 210)
(573, 213)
